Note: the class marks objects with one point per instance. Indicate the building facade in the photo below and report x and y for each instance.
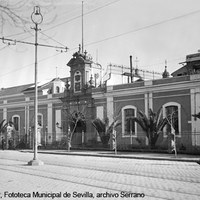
(178, 96)
(17, 106)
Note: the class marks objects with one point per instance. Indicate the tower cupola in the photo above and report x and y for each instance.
(80, 72)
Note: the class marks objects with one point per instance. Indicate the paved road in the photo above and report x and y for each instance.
(82, 177)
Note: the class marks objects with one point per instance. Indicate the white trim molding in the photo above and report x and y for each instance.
(179, 116)
(19, 126)
(195, 108)
(42, 121)
(123, 120)
(49, 123)
(58, 119)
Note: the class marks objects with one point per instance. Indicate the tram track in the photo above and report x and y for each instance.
(75, 178)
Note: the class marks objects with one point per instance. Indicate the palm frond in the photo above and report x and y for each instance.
(4, 126)
(141, 122)
(162, 124)
(1, 125)
(142, 116)
(152, 124)
(159, 116)
(99, 125)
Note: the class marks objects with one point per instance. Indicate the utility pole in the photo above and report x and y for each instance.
(37, 19)
(131, 69)
(82, 30)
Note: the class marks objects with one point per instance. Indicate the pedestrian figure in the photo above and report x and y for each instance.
(3, 143)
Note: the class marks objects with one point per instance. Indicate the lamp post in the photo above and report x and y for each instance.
(37, 19)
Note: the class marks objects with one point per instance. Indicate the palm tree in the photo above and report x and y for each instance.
(104, 129)
(152, 125)
(3, 125)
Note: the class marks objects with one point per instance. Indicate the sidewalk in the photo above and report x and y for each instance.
(127, 155)
(78, 174)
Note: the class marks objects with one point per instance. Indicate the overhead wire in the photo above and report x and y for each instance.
(112, 37)
(115, 69)
(144, 27)
(21, 33)
(86, 13)
(109, 38)
(28, 65)
(161, 63)
(52, 39)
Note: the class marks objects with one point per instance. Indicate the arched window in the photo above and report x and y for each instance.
(40, 119)
(77, 81)
(57, 89)
(128, 125)
(16, 121)
(172, 111)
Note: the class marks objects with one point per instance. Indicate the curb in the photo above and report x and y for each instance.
(116, 156)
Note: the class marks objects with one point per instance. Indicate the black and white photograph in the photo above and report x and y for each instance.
(100, 99)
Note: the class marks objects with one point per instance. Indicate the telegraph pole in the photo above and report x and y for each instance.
(37, 19)
(82, 31)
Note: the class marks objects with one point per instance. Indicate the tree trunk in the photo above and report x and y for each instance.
(68, 143)
(69, 146)
(149, 138)
(154, 140)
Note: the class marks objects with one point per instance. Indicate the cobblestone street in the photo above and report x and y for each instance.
(84, 177)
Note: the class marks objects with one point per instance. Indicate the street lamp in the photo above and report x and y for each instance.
(37, 19)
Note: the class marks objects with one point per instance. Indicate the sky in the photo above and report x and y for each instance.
(155, 32)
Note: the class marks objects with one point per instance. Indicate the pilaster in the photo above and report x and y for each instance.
(5, 110)
(49, 123)
(195, 109)
(110, 109)
(59, 126)
(110, 105)
(27, 123)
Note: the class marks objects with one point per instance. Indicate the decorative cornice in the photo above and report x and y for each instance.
(29, 103)
(175, 86)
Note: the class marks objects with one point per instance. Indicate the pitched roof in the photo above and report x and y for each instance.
(28, 87)
(14, 90)
(180, 72)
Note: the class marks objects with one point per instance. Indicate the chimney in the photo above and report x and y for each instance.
(131, 69)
